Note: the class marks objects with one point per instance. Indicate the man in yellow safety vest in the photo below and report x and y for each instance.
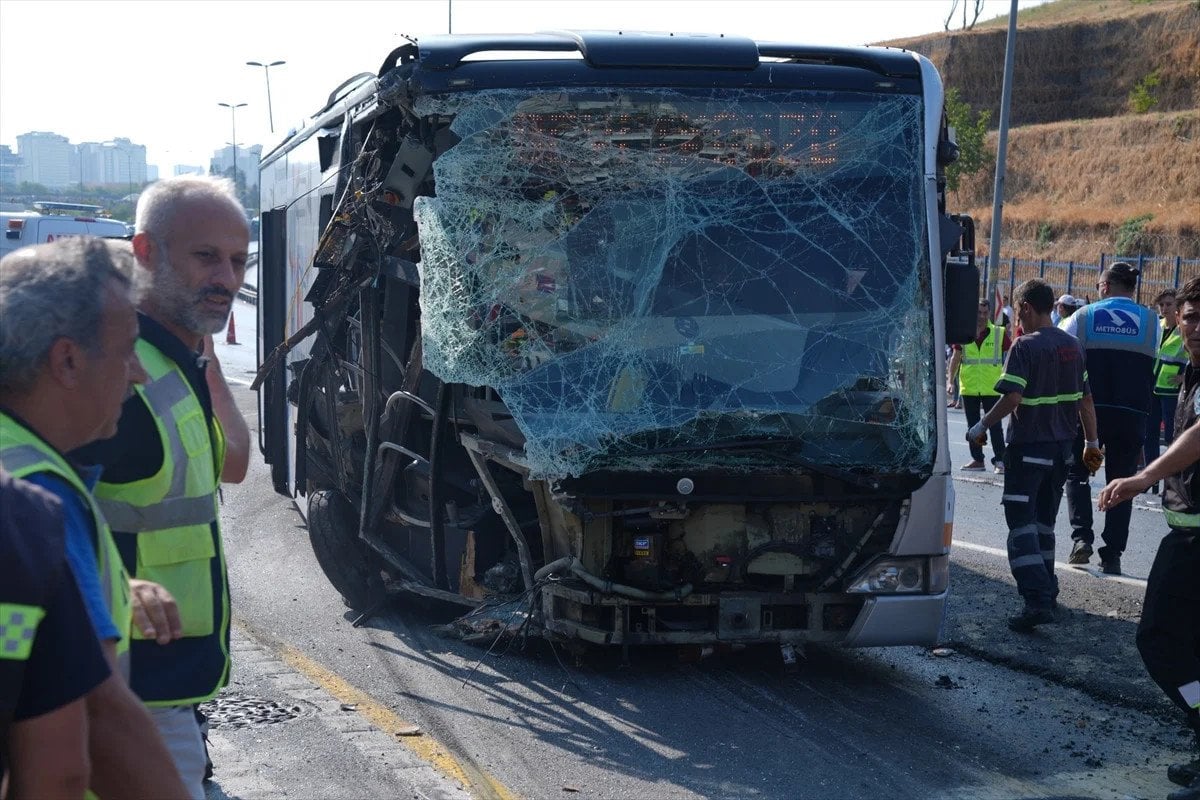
(978, 366)
(1168, 375)
(179, 437)
(67, 361)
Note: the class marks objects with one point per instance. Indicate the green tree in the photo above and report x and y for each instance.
(1144, 97)
(970, 130)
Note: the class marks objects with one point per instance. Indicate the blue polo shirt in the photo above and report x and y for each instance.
(81, 546)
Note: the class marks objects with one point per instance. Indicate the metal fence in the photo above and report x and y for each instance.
(1079, 278)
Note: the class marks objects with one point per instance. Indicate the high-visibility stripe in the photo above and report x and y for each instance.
(1191, 694)
(18, 628)
(1014, 498)
(1004, 376)
(1177, 519)
(1046, 462)
(19, 458)
(174, 512)
(1034, 560)
(1047, 555)
(1051, 400)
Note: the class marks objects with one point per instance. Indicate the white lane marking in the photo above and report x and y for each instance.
(1058, 565)
(238, 381)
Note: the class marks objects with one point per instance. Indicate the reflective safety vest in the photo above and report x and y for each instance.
(1170, 362)
(24, 453)
(173, 514)
(982, 364)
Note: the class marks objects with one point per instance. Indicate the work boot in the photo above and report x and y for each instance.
(1111, 565)
(997, 466)
(1029, 619)
(1191, 792)
(1080, 553)
(974, 466)
(1184, 774)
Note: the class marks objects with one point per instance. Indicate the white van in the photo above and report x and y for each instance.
(24, 228)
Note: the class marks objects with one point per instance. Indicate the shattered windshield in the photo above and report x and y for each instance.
(651, 279)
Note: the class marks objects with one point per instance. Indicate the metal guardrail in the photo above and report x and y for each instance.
(1080, 277)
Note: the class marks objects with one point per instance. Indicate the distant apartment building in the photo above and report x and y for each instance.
(151, 172)
(46, 158)
(10, 168)
(124, 162)
(247, 164)
(91, 164)
(188, 169)
(52, 161)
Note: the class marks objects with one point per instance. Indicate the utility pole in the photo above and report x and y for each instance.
(449, 16)
(267, 72)
(1002, 148)
(233, 141)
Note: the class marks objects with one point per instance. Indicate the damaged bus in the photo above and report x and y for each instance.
(642, 333)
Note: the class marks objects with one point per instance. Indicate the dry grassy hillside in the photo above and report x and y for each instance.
(1077, 182)
(1081, 164)
(1077, 68)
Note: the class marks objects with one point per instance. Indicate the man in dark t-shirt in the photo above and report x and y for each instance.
(50, 658)
(1045, 387)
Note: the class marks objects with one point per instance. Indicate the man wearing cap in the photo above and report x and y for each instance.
(978, 366)
(1120, 339)
(1064, 307)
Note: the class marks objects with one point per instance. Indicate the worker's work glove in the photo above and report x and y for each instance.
(977, 433)
(1093, 458)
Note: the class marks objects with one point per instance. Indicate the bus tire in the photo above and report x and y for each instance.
(333, 533)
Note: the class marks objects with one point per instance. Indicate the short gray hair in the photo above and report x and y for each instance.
(53, 290)
(157, 205)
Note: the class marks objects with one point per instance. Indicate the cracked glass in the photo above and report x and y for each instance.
(668, 279)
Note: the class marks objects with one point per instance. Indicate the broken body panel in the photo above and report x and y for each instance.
(643, 333)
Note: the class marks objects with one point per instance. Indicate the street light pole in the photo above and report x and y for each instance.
(267, 72)
(233, 141)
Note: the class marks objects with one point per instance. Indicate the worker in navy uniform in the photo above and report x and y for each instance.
(1168, 635)
(1120, 339)
(43, 710)
(1045, 387)
(178, 438)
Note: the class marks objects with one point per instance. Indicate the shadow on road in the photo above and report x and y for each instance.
(739, 724)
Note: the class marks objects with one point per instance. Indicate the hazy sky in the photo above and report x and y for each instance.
(93, 70)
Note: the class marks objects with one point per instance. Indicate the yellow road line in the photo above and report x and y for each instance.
(478, 782)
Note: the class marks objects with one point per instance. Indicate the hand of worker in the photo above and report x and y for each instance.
(1120, 490)
(1093, 458)
(977, 433)
(155, 612)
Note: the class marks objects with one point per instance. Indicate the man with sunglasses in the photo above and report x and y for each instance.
(1120, 340)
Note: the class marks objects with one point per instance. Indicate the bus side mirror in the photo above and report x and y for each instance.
(960, 279)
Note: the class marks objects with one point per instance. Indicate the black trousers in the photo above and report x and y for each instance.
(975, 406)
(1162, 414)
(1121, 435)
(1033, 488)
(1168, 637)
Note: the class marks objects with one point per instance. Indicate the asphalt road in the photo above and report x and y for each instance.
(1065, 712)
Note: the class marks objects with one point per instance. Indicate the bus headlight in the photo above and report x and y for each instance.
(890, 576)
